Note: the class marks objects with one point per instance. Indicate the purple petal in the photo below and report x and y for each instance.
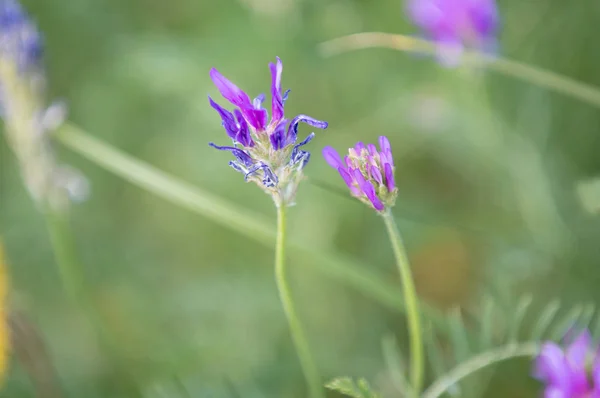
(578, 350)
(384, 144)
(230, 91)
(297, 154)
(277, 100)
(484, 17)
(292, 132)
(551, 367)
(359, 147)
(553, 392)
(368, 190)
(278, 137)
(424, 13)
(228, 120)
(389, 177)
(256, 118)
(285, 96)
(348, 161)
(450, 50)
(240, 155)
(376, 174)
(257, 102)
(269, 178)
(332, 157)
(372, 149)
(243, 136)
(349, 180)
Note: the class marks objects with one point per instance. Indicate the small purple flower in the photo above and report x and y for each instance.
(266, 151)
(368, 173)
(570, 373)
(456, 24)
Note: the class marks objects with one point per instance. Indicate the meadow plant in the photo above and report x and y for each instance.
(369, 174)
(268, 154)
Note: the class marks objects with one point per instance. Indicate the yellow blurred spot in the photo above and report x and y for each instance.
(4, 339)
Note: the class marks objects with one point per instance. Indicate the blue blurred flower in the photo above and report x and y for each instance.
(456, 24)
(368, 173)
(27, 118)
(266, 152)
(21, 43)
(570, 373)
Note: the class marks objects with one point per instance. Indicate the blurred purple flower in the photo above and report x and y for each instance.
(266, 150)
(21, 43)
(456, 24)
(368, 173)
(566, 373)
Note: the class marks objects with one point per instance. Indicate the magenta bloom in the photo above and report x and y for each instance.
(456, 24)
(369, 173)
(570, 373)
(266, 152)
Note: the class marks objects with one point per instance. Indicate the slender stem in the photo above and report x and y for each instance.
(479, 362)
(412, 306)
(550, 80)
(223, 212)
(300, 341)
(61, 238)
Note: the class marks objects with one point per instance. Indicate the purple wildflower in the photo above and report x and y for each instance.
(266, 151)
(368, 173)
(456, 24)
(570, 373)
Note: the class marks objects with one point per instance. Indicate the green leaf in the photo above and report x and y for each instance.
(347, 386)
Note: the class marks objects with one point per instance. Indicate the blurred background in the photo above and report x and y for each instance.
(487, 168)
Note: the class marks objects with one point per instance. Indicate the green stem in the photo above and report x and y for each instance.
(412, 306)
(300, 341)
(550, 80)
(61, 238)
(479, 362)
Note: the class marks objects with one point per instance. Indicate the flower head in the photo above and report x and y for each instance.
(27, 119)
(369, 173)
(266, 151)
(570, 373)
(456, 24)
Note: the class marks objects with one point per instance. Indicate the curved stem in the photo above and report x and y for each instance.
(299, 338)
(550, 80)
(412, 306)
(479, 362)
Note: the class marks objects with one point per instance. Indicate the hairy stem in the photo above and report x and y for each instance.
(479, 362)
(299, 338)
(412, 307)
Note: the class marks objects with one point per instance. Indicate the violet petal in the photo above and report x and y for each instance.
(292, 133)
(296, 152)
(230, 91)
(277, 137)
(372, 149)
(389, 177)
(359, 147)
(384, 144)
(349, 180)
(368, 190)
(257, 102)
(256, 118)
(332, 157)
(243, 136)
(376, 174)
(240, 155)
(277, 100)
(552, 368)
(228, 120)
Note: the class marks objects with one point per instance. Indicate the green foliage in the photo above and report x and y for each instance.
(347, 386)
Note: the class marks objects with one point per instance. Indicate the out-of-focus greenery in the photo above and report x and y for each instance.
(487, 169)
